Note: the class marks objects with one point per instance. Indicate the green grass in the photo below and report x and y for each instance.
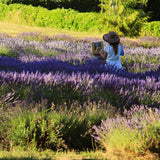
(18, 154)
(14, 29)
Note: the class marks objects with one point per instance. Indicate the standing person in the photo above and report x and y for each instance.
(112, 50)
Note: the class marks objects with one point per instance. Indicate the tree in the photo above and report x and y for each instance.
(124, 15)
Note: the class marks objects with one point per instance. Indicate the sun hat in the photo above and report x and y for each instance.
(111, 37)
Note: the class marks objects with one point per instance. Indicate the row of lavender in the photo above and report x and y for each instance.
(136, 59)
(136, 91)
(68, 63)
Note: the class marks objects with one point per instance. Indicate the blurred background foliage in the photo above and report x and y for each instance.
(152, 6)
(127, 17)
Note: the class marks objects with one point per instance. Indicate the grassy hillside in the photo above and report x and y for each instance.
(15, 29)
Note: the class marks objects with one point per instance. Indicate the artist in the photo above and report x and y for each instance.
(113, 50)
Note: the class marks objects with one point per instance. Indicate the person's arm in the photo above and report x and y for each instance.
(103, 55)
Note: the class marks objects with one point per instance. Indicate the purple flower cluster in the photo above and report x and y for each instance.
(82, 64)
(21, 47)
(147, 42)
(137, 118)
(80, 78)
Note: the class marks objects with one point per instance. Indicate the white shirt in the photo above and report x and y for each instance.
(112, 58)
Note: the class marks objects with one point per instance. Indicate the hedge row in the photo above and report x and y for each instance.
(82, 5)
(148, 6)
(39, 16)
(57, 18)
(73, 20)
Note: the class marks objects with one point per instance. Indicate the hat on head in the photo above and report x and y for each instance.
(111, 37)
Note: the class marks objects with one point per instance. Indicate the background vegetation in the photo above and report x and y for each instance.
(126, 23)
(152, 6)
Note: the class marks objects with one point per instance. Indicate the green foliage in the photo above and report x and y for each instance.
(82, 5)
(4, 51)
(151, 29)
(141, 137)
(112, 6)
(32, 128)
(133, 141)
(149, 6)
(133, 3)
(31, 125)
(125, 21)
(58, 18)
(3, 11)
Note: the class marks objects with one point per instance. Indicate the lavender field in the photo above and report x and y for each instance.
(53, 95)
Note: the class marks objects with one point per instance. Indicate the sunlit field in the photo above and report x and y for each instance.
(15, 29)
(56, 102)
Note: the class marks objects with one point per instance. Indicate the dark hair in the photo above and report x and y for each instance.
(115, 47)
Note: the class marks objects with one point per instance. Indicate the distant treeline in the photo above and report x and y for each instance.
(132, 24)
(152, 6)
(80, 5)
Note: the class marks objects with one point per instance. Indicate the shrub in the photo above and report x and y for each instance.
(32, 125)
(151, 29)
(128, 25)
(136, 132)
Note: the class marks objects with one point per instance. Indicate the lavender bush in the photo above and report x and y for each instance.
(136, 131)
